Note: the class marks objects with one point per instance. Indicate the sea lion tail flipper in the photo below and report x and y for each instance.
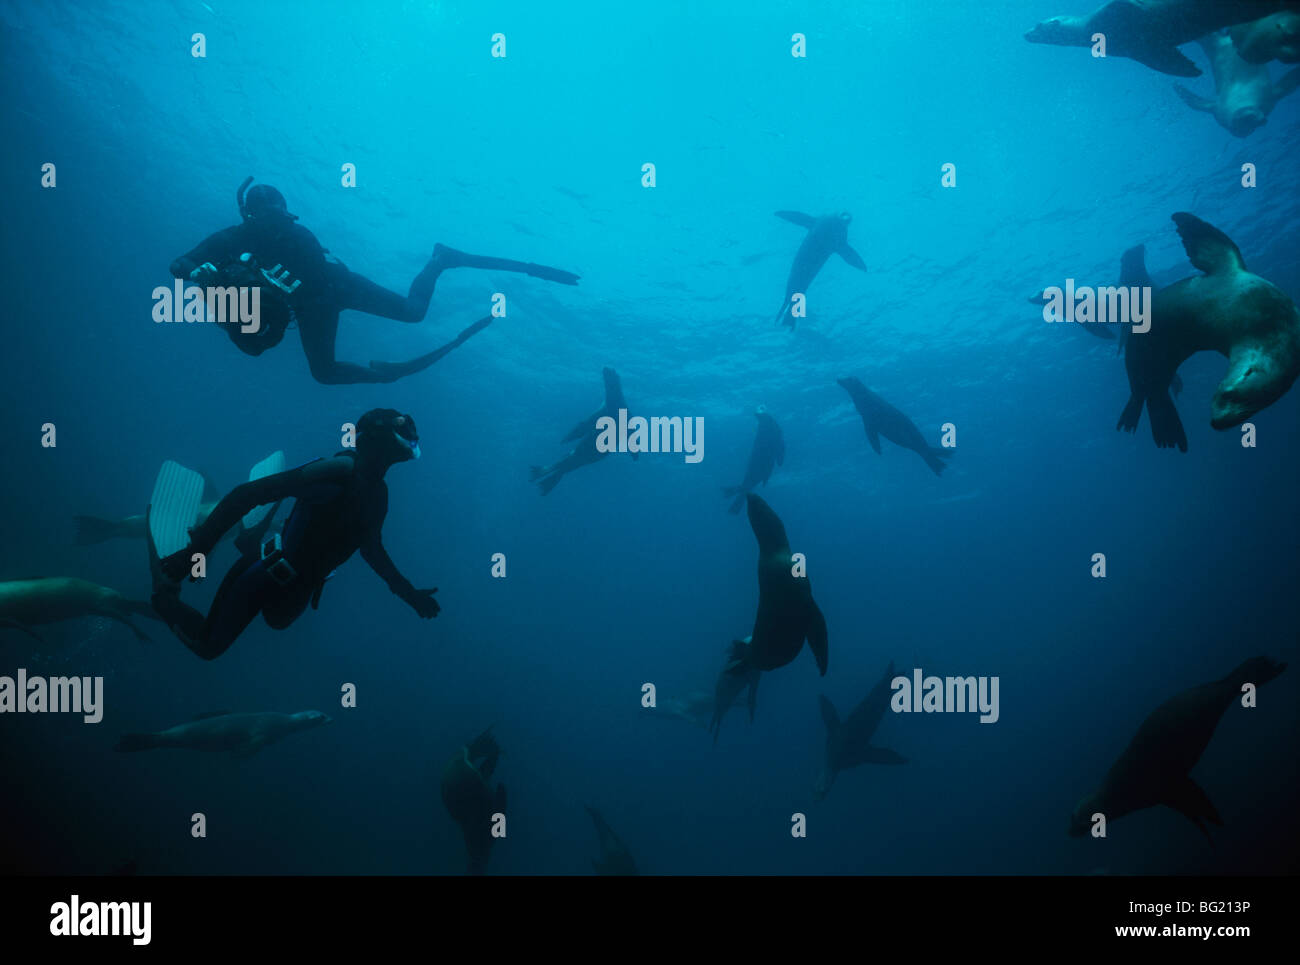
(934, 458)
(798, 217)
(817, 638)
(550, 482)
(882, 755)
(1187, 798)
(137, 742)
(92, 529)
(1195, 101)
(1166, 427)
(1132, 414)
(536, 472)
(1208, 248)
(22, 628)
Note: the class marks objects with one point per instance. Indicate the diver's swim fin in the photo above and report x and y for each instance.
(174, 508)
(269, 466)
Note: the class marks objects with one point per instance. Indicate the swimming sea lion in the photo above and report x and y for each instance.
(470, 799)
(1226, 310)
(1244, 93)
(24, 603)
(730, 684)
(242, 735)
(615, 858)
(1154, 767)
(585, 452)
(1270, 38)
(787, 614)
(848, 744)
(826, 236)
(1150, 31)
(880, 418)
(768, 451)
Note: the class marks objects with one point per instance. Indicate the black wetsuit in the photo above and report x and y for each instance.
(327, 288)
(340, 509)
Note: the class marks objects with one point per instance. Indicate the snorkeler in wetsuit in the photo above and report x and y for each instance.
(271, 251)
(340, 508)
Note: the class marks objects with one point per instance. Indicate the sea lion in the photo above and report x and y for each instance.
(1244, 93)
(585, 452)
(24, 603)
(615, 858)
(729, 686)
(242, 735)
(1226, 310)
(1154, 767)
(1276, 37)
(848, 744)
(787, 614)
(1150, 31)
(880, 418)
(768, 451)
(826, 236)
(470, 799)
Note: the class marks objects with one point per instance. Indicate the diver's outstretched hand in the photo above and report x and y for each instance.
(552, 274)
(423, 603)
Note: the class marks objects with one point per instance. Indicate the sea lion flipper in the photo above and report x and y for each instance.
(1208, 248)
(1186, 797)
(882, 755)
(873, 438)
(817, 638)
(852, 257)
(22, 628)
(798, 217)
(1166, 425)
(829, 717)
(1195, 101)
(1167, 60)
(1287, 83)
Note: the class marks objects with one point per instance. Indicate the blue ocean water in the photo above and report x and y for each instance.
(634, 572)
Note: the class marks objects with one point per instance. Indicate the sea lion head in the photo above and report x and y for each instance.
(1255, 380)
(1053, 30)
(1246, 120)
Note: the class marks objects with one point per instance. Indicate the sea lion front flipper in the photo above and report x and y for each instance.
(1167, 60)
(798, 217)
(817, 638)
(583, 427)
(1195, 101)
(873, 437)
(1287, 83)
(852, 257)
(1187, 798)
(22, 628)
(881, 755)
(1208, 248)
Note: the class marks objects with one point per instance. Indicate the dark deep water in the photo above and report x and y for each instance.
(634, 572)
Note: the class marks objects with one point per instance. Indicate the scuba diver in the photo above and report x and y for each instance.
(298, 282)
(340, 508)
